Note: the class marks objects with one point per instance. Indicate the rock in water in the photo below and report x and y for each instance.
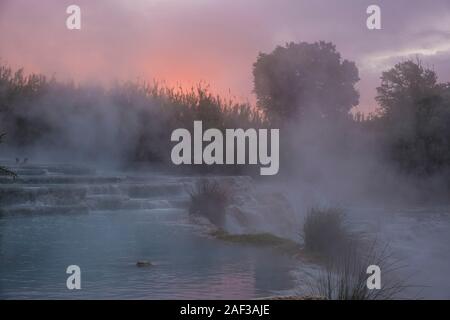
(143, 263)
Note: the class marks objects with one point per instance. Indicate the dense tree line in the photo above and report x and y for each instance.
(311, 82)
(131, 122)
(295, 84)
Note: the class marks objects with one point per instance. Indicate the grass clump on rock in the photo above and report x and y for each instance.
(345, 257)
(210, 200)
(346, 277)
(259, 239)
(324, 231)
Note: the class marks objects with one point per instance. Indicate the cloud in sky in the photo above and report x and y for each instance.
(216, 41)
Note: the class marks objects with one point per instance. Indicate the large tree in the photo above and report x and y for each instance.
(415, 113)
(303, 79)
(404, 88)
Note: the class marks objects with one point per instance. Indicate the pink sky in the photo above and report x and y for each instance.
(216, 41)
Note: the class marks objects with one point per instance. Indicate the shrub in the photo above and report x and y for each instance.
(324, 231)
(346, 258)
(345, 278)
(210, 200)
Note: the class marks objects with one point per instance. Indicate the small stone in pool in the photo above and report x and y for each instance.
(143, 263)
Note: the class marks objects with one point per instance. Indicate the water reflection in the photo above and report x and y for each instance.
(36, 249)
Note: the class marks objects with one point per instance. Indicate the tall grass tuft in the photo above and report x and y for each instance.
(210, 200)
(324, 232)
(345, 257)
(345, 277)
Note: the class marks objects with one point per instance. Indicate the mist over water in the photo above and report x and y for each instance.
(96, 186)
(327, 164)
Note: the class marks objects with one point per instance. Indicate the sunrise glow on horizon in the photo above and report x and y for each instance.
(183, 44)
